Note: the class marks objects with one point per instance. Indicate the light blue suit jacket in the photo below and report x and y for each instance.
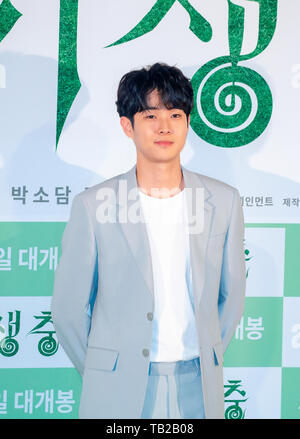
(103, 299)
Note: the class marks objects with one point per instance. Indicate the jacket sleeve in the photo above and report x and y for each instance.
(75, 283)
(233, 276)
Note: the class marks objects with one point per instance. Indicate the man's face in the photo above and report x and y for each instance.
(159, 134)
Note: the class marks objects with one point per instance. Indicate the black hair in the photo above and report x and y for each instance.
(174, 88)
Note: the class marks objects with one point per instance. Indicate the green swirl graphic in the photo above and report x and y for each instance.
(234, 412)
(9, 347)
(47, 346)
(232, 104)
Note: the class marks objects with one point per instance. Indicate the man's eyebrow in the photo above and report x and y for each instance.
(158, 107)
(151, 108)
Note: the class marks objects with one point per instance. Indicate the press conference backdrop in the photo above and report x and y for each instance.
(60, 64)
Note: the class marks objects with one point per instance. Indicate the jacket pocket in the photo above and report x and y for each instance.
(101, 358)
(218, 354)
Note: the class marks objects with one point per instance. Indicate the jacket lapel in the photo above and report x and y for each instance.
(128, 206)
(202, 212)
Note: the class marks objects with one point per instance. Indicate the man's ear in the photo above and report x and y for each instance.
(127, 126)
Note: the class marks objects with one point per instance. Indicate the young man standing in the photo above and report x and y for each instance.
(146, 308)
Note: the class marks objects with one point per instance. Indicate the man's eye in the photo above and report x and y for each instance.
(150, 116)
(176, 115)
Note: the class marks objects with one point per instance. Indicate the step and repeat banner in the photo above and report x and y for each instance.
(60, 65)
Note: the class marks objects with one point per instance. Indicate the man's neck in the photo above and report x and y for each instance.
(160, 180)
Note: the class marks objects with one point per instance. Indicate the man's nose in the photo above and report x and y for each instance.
(164, 127)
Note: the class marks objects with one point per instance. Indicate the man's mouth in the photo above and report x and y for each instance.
(164, 143)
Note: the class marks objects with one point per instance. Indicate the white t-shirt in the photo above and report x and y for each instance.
(174, 327)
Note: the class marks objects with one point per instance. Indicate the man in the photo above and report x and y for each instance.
(147, 295)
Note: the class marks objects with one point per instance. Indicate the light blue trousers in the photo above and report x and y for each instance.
(174, 391)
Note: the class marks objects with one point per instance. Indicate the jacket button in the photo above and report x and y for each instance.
(146, 352)
(149, 315)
